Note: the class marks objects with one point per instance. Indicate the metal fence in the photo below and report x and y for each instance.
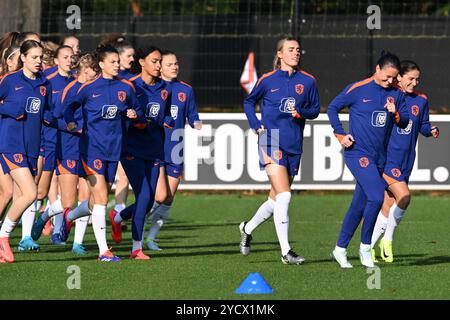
(213, 38)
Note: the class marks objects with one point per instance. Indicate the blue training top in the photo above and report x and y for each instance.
(283, 93)
(370, 123)
(26, 103)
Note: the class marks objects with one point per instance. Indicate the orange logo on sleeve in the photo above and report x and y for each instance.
(364, 162)
(299, 88)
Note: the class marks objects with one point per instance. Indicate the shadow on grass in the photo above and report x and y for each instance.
(184, 227)
(422, 262)
(161, 254)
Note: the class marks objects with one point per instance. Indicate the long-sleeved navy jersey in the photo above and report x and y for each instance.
(58, 83)
(281, 94)
(68, 142)
(370, 122)
(402, 143)
(104, 105)
(26, 103)
(183, 108)
(146, 140)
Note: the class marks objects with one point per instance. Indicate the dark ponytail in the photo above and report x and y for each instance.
(388, 59)
(23, 35)
(103, 51)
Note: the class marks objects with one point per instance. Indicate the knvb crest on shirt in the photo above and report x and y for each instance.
(174, 111)
(390, 100)
(379, 118)
(121, 95)
(152, 110)
(33, 105)
(415, 110)
(109, 111)
(182, 96)
(299, 88)
(164, 94)
(287, 105)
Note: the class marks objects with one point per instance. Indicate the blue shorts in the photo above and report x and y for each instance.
(269, 154)
(11, 161)
(67, 166)
(394, 173)
(174, 170)
(100, 167)
(49, 160)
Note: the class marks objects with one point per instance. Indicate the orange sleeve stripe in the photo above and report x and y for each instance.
(52, 75)
(307, 74)
(389, 180)
(359, 84)
(11, 165)
(397, 117)
(67, 88)
(421, 94)
(135, 77)
(87, 83)
(140, 125)
(7, 74)
(297, 115)
(251, 63)
(87, 169)
(186, 84)
(265, 76)
(129, 83)
(61, 169)
(339, 137)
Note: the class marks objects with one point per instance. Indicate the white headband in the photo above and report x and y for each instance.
(12, 53)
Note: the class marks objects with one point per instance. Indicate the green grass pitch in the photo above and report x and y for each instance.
(201, 258)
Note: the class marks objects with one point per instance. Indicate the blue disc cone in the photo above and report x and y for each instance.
(254, 284)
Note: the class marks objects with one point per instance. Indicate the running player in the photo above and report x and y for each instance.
(67, 151)
(106, 102)
(48, 184)
(26, 94)
(289, 97)
(401, 154)
(144, 146)
(126, 55)
(183, 108)
(374, 106)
